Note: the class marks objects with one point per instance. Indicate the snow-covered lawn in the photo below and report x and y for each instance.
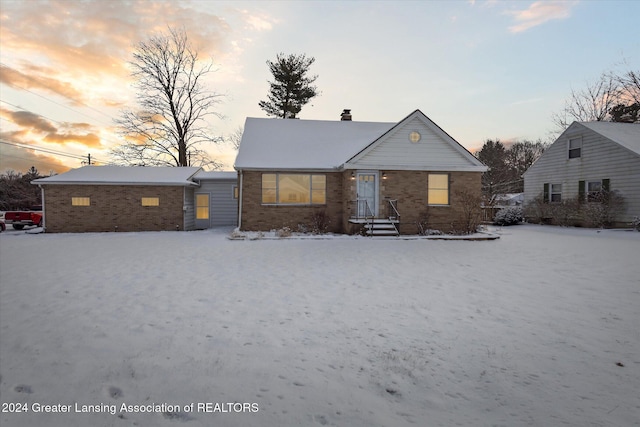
(540, 327)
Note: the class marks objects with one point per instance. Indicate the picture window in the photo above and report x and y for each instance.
(294, 189)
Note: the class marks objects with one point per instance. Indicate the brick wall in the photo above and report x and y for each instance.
(112, 206)
(259, 217)
(410, 189)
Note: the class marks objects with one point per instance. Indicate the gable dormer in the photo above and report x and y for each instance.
(415, 143)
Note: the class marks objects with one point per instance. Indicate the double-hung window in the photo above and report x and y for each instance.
(593, 190)
(556, 193)
(575, 148)
(294, 189)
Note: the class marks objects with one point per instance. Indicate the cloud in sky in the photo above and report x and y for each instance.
(38, 79)
(540, 12)
(28, 120)
(33, 126)
(71, 41)
(76, 53)
(20, 160)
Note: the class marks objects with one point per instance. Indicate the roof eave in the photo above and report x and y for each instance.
(160, 184)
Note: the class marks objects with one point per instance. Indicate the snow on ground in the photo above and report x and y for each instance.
(540, 328)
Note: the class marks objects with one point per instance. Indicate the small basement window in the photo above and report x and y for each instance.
(151, 201)
(80, 201)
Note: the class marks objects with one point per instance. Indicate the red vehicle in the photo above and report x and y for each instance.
(20, 219)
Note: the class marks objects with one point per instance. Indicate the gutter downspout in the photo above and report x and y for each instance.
(44, 217)
(240, 202)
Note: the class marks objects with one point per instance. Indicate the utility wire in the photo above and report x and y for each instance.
(48, 151)
(52, 90)
(45, 117)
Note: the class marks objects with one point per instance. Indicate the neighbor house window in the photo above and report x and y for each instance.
(294, 189)
(80, 201)
(593, 190)
(575, 148)
(438, 193)
(150, 201)
(202, 206)
(556, 193)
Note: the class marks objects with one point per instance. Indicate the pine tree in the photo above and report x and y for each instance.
(291, 88)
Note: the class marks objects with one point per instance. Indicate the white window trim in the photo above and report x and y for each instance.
(569, 149)
(586, 187)
(551, 193)
(310, 175)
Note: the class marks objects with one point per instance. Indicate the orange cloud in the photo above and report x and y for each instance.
(90, 139)
(31, 123)
(28, 120)
(539, 13)
(18, 80)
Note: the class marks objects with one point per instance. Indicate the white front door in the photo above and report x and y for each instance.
(367, 189)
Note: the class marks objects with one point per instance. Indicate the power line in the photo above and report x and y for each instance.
(51, 151)
(48, 118)
(52, 101)
(43, 162)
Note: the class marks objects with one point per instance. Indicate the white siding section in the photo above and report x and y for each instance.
(189, 212)
(434, 151)
(223, 208)
(600, 159)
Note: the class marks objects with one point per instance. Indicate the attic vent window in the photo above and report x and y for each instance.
(414, 137)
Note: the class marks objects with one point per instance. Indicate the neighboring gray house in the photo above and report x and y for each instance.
(216, 199)
(586, 158)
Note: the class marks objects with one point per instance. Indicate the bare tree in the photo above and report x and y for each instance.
(592, 103)
(236, 137)
(169, 126)
(630, 82)
(612, 97)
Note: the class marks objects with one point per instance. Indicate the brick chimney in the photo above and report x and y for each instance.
(346, 115)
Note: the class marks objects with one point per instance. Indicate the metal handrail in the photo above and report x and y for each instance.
(368, 212)
(393, 203)
(394, 209)
(368, 216)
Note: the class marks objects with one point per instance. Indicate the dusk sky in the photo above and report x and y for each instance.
(479, 69)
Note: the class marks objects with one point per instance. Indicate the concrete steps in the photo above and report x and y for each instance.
(381, 227)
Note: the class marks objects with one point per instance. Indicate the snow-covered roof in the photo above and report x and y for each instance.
(216, 175)
(625, 134)
(303, 144)
(124, 175)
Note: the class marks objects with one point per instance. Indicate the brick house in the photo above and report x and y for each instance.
(118, 198)
(383, 177)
